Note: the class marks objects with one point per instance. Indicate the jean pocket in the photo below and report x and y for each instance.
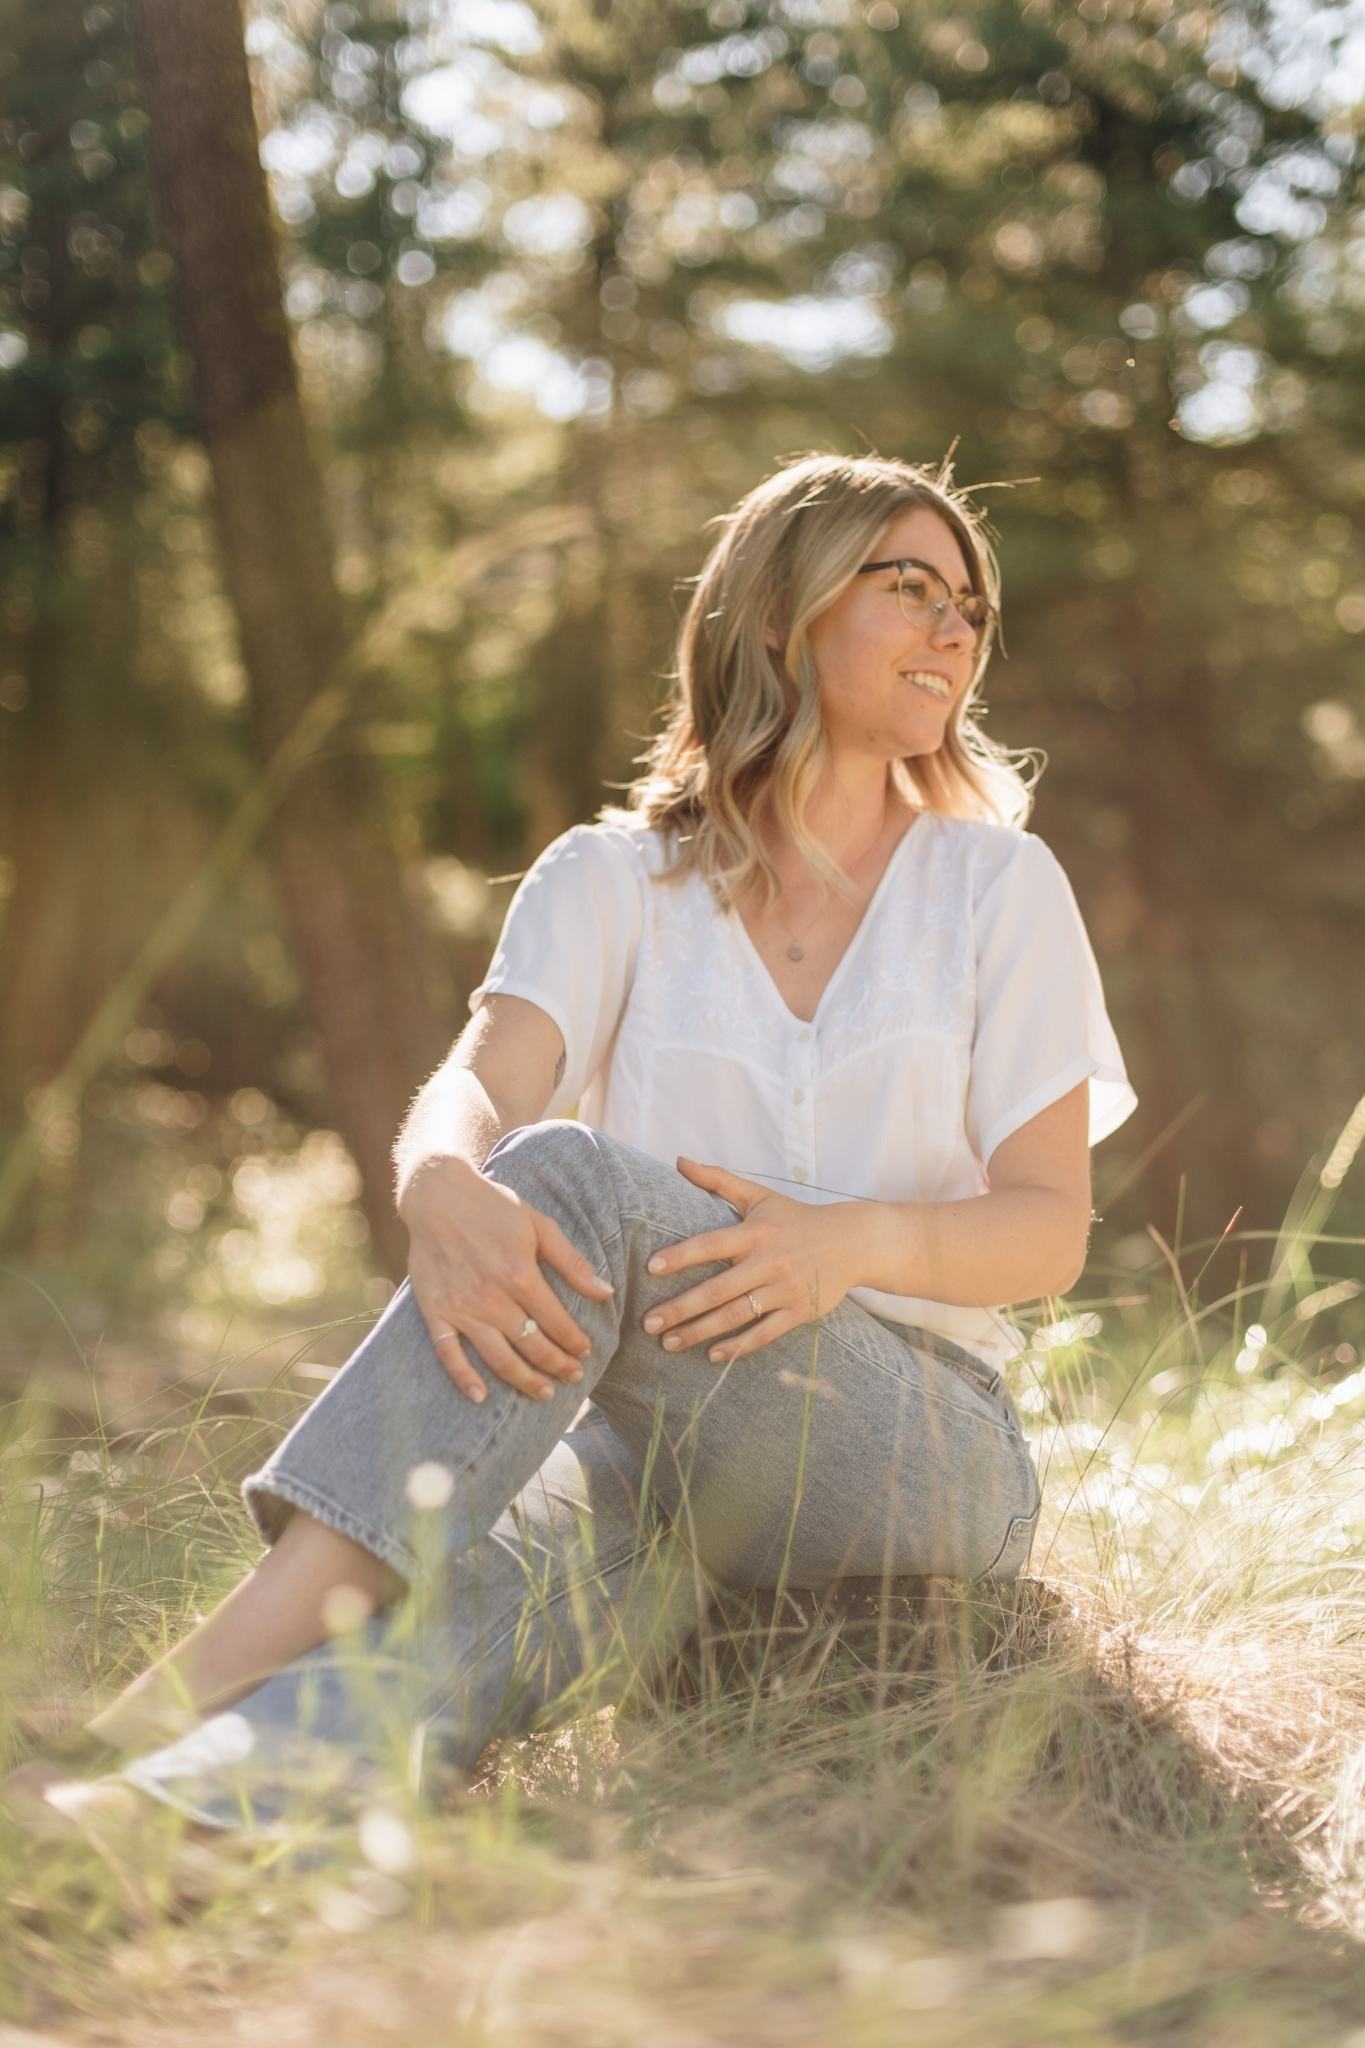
(986, 1379)
(1013, 1553)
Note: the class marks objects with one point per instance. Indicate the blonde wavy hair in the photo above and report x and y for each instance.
(743, 737)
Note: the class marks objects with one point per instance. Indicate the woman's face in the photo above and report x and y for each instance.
(865, 650)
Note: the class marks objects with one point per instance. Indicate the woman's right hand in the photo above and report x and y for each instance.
(474, 1262)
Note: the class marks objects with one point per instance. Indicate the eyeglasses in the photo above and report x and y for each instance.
(925, 597)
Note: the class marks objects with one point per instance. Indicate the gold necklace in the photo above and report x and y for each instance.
(796, 951)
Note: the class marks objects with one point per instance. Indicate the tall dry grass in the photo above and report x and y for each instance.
(1120, 1801)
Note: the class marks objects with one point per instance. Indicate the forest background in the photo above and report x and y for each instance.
(560, 284)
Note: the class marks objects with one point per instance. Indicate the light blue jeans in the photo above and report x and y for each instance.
(553, 1548)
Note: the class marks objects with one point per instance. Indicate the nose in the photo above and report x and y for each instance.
(952, 630)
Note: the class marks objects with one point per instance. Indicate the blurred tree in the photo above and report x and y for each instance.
(85, 342)
(361, 948)
(369, 264)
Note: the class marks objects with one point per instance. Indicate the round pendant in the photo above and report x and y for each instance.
(795, 953)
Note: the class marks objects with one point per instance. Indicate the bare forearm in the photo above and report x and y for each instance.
(454, 1117)
(1015, 1244)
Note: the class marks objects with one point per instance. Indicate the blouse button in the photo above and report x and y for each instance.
(798, 1095)
(804, 1036)
(798, 1173)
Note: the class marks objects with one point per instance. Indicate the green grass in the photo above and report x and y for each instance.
(1119, 1802)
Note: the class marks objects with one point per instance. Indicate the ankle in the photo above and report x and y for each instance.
(141, 1720)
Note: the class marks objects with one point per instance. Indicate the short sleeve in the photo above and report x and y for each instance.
(1041, 1023)
(569, 942)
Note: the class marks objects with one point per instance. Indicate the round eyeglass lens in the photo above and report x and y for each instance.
(925, 596)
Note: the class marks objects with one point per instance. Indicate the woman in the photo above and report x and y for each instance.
(839, 1046)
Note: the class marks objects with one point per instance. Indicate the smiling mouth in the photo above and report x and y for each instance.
(932, 684)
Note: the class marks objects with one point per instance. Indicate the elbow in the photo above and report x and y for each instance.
(1068, 1274)
(1067, 1279)
(1068, 1263)
(1062, 1242)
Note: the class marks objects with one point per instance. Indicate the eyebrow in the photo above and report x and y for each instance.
(913, 562)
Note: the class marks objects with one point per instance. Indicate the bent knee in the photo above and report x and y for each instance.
(553, 1147)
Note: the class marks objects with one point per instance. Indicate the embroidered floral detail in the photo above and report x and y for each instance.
(908, 971)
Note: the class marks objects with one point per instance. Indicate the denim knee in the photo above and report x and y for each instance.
(546, 1145)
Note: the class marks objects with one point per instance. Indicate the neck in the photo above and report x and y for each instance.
(849, 822)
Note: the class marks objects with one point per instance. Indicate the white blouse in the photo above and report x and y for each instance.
(968, 999)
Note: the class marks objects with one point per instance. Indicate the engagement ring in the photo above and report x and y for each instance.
(529, 1327)
(754, 1305)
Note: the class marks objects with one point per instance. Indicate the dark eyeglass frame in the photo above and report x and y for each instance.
(903, 562)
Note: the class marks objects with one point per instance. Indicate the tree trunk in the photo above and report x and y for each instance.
(367, 963)
(68, 928)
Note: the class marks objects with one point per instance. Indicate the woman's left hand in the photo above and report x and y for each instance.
(795, 1258)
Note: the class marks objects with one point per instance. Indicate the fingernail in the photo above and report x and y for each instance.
(573, 1379)
(547, 1394)
(476, 1393)
(656, 1265)
(653, 1323)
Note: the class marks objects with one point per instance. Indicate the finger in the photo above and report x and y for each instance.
(579, 1271)
(509, 1365)
(730, 1243)
(536, 1345)
(705, 1167)
(731, 1315)
(719, 1291)
(763, 1332)
(725, 1183)
(451, 1353)
(446, 1344)
(570, 1343)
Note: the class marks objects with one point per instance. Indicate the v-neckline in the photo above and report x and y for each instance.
(864, 923)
